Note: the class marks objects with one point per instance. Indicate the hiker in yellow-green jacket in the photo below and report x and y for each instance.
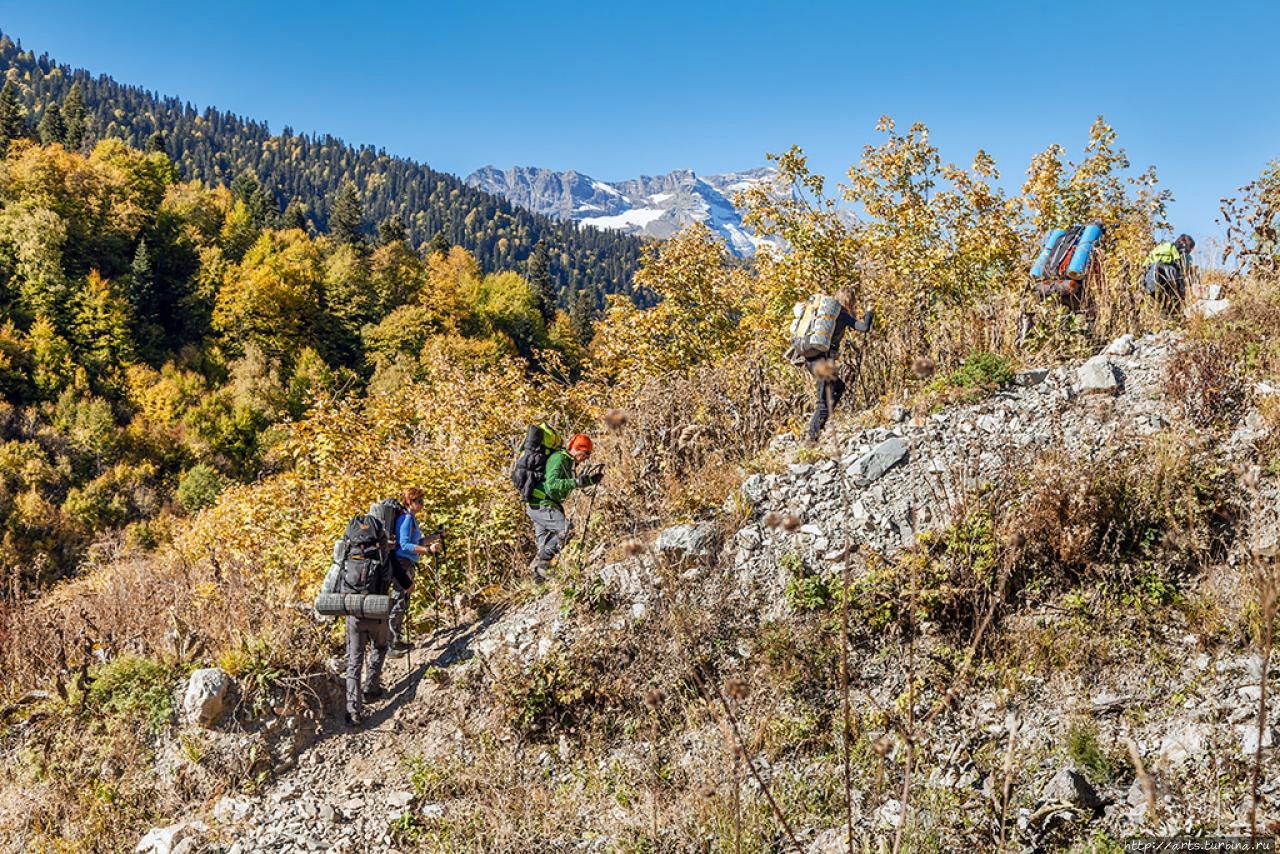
(551, 528)
(1169, 270)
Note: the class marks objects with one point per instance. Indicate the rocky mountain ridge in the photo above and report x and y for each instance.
(650, 206)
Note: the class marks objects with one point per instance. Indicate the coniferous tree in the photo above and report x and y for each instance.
(294, 216)
(258, 200)
(539, 276)
(346, 223)
(392, 230)
(73, 117)
(156, 142)
(13, 118)
(582, 316)
(439, 244)
(52, 128)
(141, 279)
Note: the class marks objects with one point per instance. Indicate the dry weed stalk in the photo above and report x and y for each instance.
(847, 728)
(910, 727)
(654, 699)
(1006, 789)
(735, 690)
(1268, 603)
(1144, 779)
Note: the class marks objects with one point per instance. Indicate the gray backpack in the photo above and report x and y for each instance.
(814, 326)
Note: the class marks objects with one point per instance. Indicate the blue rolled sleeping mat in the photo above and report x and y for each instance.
(1084, 248)
(1064, 258)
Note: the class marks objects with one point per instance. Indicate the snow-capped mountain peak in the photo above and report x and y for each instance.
(653, 206)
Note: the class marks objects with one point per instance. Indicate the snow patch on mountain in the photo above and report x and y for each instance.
(625, 221)
(651, 206)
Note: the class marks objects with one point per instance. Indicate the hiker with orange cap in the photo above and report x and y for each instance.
(551, 528)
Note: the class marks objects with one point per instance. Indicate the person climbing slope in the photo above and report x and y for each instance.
(1169, 270)
(410, 546)
(551, 527)
(817, 333)
(370, 572)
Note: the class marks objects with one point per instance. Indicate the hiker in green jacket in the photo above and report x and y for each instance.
(1169, 269)
(551, 528)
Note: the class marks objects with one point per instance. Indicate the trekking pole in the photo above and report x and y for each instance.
(408, 619)
(438, 536)
(865, 323)
(586, 526)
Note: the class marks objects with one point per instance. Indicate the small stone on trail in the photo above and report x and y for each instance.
(1122, 346)
(1097, 375)
(1069, 787)
(872, 465)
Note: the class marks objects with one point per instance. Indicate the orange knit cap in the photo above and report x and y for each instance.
(579, 442)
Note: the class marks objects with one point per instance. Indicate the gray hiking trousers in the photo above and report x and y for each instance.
(550, 530)
(400, 599)
(361, 633)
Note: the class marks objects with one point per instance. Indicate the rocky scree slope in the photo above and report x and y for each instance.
(1187, 705)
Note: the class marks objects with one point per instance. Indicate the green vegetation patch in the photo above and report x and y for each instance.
(133, 687)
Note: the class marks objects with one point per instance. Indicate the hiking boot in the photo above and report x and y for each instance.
(400, 648)
(538, 569)
(354, 719)
(373, 693)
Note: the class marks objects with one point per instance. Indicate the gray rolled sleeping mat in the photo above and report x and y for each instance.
(333, 603)
(368, 606)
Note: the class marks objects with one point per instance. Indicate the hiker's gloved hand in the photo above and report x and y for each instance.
(591, 476)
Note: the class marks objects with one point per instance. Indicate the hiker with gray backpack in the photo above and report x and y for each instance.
(368, 561)
(356, 587)
(816, 334)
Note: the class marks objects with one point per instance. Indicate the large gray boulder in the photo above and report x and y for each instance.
(1069, 787)
(686, 541)
(755, 489)
(205, 699)
(872, 465)
(1098, 376)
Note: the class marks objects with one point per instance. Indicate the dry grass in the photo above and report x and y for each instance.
(680, 447)
(156, 606)
(1206, 379)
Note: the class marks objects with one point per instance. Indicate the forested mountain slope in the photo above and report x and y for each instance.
(217, 147)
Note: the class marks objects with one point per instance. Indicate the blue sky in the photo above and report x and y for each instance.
(618, 90)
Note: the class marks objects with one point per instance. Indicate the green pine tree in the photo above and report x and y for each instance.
(392, 230)
(156, 142)
(258, 200)
(52, 128)
(539, 275)
(141, 279)
(73, 117)
(582, 316)
(439, 244)
(294, 216)
(13, 118)
(346, 222)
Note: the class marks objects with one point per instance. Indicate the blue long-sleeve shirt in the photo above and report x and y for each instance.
(408, 535)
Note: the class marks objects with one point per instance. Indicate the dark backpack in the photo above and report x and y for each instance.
(365, 556)
(388, 512)
(1060, 256)
(530, 468)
